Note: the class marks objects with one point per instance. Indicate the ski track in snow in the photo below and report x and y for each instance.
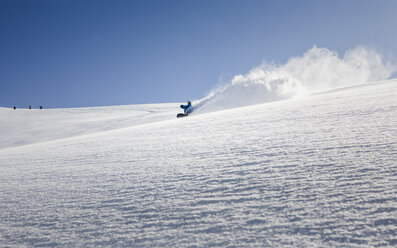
(319, 171)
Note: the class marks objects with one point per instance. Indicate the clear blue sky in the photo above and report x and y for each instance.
(69, 53)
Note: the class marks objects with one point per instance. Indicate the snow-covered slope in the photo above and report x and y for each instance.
(317, 171)
(24, 126)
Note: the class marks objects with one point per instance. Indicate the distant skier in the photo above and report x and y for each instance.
(187, 109)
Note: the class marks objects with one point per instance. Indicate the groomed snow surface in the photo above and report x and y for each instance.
(315, 171)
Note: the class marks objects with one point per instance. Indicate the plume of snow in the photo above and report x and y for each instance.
(317, 69)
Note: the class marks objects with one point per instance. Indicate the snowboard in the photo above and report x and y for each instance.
(181, 115)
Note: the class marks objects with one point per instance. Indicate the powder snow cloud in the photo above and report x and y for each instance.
(317, 69)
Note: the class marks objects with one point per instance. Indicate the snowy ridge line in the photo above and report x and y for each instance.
(121, 129)
(24, 127)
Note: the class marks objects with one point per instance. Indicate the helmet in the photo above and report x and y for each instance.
(188, 101)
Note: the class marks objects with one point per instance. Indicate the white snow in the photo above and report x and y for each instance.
(24, 126)
(315, 171)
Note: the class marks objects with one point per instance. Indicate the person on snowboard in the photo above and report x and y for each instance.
(187, 108)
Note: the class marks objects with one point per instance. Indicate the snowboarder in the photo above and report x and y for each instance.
(187, 109)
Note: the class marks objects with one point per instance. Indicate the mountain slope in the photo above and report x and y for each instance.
(312, 171)
(23, 126)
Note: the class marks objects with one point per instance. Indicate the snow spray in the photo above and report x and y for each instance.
(317, 69)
